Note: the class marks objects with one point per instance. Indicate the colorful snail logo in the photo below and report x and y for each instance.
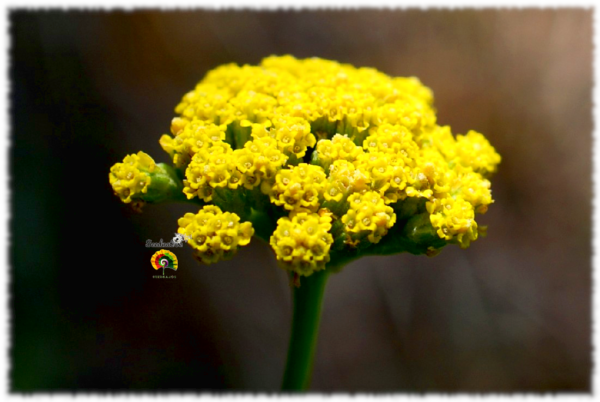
(164, 259)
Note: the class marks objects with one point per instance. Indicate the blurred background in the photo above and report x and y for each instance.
(510, 314)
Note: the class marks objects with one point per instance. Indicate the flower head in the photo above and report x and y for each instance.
(299, 187)
(215, 235)
(454, 219)
(474, 150)
(322, 158)
(191, 137)
(302, 242)
(132, 177)
(368, 217)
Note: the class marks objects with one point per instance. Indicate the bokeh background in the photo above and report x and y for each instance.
(510, 314)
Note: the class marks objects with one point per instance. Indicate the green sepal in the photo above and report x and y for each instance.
(414, 236)
(419, 231)
(232, 201)
(293, 160)
(315, 160)
(165, 185)
(239, 135)
(409, 207)
(323, 128)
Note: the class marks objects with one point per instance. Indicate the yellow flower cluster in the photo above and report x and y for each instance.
(215, 235)
(292, 134)
(473, 150)
(302, 242)
(454, 218)
(210, 168)
(190, 139)
(259, 161)
(131, 178)
(368, 216)
(375, 134)
(344, 179)
(299, 187)
(221, 167)
(340, 147)
(296, 137)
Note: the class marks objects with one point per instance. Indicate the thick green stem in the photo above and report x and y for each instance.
(308, 299)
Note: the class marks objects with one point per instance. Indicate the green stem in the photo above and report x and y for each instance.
(263, 225)
(308, 299)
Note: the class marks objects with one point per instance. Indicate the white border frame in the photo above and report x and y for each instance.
(5, 195)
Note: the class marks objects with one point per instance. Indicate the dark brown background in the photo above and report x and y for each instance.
(512, 313)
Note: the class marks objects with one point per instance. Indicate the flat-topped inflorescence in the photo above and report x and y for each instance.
(292, 145)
